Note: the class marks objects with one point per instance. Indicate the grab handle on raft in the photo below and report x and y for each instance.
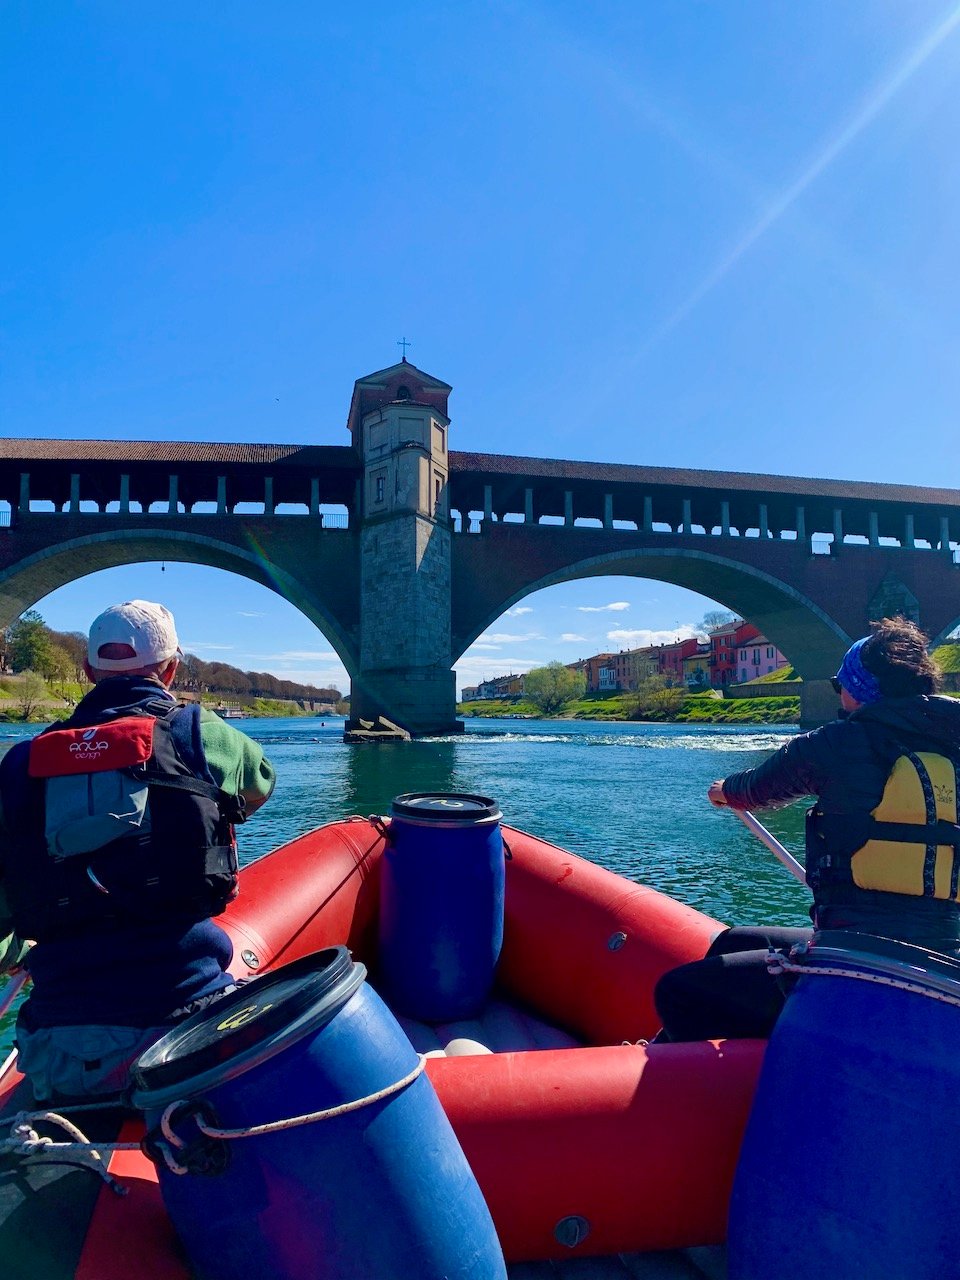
(773, 844)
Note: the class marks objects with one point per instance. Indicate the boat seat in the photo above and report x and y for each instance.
(500, 1028)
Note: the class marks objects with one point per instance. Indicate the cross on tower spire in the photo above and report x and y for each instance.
(403, 344)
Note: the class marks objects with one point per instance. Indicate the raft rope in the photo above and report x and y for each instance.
(778, 963)
(272, 1126)
(25, 1141)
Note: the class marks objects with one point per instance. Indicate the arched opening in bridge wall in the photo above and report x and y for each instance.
(575, 620)
(811, 641)
(231, 604)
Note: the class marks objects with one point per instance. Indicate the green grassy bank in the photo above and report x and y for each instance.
(699, 708)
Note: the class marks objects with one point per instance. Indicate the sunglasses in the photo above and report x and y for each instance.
(835, 683)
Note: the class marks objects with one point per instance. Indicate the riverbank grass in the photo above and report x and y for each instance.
(697, 708)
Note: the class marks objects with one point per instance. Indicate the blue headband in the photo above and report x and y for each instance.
(855, 677)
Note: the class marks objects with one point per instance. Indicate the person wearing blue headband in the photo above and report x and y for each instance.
(882, 840)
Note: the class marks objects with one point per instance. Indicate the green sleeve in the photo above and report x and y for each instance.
(237, 763)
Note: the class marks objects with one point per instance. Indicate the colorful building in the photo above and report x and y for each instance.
(725, 643)
(499, 687)
(598, 672)
(696, 668)
(670, 659)
(758, 657)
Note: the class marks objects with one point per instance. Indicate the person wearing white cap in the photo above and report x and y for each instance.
(117, 847)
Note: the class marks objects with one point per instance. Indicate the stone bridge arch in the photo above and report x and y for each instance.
(799, 626)
(29, 577)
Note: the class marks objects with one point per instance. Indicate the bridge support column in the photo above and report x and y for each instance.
(568, 508)
(909, 538)
(528, 506)
(405, 669)
(818, 703)
(837, 530)
(405, 662)
(647, 515)
(725, 518)
(221, 495)
(608, 510)
(801, 522)
(125, 495)
(74, 503)
(315, 495)
(488, 502)
(24, 503)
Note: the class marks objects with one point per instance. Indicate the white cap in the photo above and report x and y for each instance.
(147, 628)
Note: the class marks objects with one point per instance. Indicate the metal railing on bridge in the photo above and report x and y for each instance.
(818, 543)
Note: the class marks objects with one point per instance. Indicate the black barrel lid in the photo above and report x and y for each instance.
(445, 806)
(246, 1019)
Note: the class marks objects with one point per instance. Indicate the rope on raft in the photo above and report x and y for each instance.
(777, 963)
(25, 1141)
(273, 1126)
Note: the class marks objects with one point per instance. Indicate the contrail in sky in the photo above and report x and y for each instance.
(867, 113)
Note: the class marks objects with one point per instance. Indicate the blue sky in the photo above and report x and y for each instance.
(690, 233)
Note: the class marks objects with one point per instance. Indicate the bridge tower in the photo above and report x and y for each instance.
(398, 421)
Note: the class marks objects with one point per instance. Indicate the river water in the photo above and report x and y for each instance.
(631, 797)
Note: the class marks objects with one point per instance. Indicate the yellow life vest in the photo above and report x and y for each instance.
(914, 844)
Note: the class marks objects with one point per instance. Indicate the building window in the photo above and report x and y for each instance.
(380, 488)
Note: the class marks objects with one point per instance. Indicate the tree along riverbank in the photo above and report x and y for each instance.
(696, 708)
(27, 698)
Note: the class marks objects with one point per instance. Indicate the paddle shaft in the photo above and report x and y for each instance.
(773, 844)
(11, 991)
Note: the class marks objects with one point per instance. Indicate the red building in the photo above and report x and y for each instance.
(724, 644)
(670, 658)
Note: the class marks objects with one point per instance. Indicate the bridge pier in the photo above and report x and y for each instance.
(818, 703)
(422, 700)
(399, 423)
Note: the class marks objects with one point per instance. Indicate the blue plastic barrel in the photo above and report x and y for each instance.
(381, 1191)
(441, 905)
(851, 1159)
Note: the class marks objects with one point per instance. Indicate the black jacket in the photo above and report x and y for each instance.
(845, 764)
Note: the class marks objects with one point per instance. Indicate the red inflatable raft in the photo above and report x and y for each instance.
(584, 1140)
